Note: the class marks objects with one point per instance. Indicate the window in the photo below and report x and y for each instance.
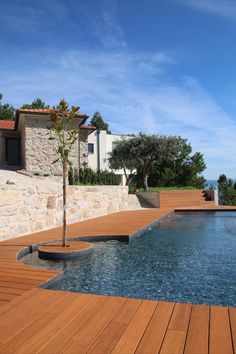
(13, 151)
(90, 148)
(114, 145)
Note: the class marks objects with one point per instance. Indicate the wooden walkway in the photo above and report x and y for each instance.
(16, 278)
(34, 320)
(46, 321)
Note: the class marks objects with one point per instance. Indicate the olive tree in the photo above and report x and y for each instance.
(64, 136)
(140, 153)
(150, 155)
(120, 159)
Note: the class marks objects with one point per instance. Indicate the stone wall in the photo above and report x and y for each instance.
(83, 148)
(40, 152)
(31, 207)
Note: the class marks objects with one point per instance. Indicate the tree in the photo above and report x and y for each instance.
(64, 135)
(182, 169)
(98, 122)
(37, 103)
(7, 111)
(140, 153)
(227, 190)
(164, 160)
(120, 159)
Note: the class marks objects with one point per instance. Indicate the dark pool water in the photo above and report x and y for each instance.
(186, 258)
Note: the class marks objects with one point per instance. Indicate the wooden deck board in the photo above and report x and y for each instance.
(34, 320)
(176, 334)
(133, 333)
(42, 328)
(198, 332)
(13, 321)
(3, 303)
(232, 316)
(70, 330)
(95, 326)
(152, 339)
(111, 334)
(220, 332)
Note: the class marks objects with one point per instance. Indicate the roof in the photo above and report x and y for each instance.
(7, 124)
(44, 110)
(89, 127)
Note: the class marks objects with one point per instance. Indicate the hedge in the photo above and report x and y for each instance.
(86, 176)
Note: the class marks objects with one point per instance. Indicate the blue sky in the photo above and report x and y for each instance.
(165, 67)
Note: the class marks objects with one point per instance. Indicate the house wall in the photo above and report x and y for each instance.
(22, 147)
(93, 157)
(40, 152)
(99, 158)
(83, 148)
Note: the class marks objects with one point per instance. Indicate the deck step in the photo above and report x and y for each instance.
(184, 198)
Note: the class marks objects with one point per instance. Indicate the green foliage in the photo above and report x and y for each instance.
(62, 130)
(37, 103)
(227, 191)
(120, 158)
(64, 135)
(159, 160)
(156, 189)
(182, 169)
(7, 111)
(98, 122)
(86, 176)
(211, 187)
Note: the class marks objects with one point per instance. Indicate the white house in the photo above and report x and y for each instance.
(100, 144)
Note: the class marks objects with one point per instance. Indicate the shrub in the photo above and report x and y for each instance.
(86, 176)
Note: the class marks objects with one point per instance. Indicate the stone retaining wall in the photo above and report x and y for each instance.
(37, 206)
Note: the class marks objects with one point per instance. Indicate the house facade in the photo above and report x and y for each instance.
(100, 144)
(25, 144)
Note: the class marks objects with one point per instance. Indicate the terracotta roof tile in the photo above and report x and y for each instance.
(7, 124)
(34, 109)
(88, 127)
(43, 110)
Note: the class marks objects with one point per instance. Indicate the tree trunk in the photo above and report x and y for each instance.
(126, 177)
(64, 204)
(145, 182)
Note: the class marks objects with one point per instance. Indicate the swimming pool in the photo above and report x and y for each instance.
(188, 257)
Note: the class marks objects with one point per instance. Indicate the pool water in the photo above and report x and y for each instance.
(188, 257)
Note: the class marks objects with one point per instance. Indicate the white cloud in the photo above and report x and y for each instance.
(222, 8)
(130, 98)
(103, 24)
(29, 16)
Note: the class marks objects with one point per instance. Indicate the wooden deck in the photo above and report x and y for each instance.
(34, 320)
(16, 278)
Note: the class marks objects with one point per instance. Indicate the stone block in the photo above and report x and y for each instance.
(10, 197)
(9, 210)
(51, 202)
(24, 229)
(38, 206)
